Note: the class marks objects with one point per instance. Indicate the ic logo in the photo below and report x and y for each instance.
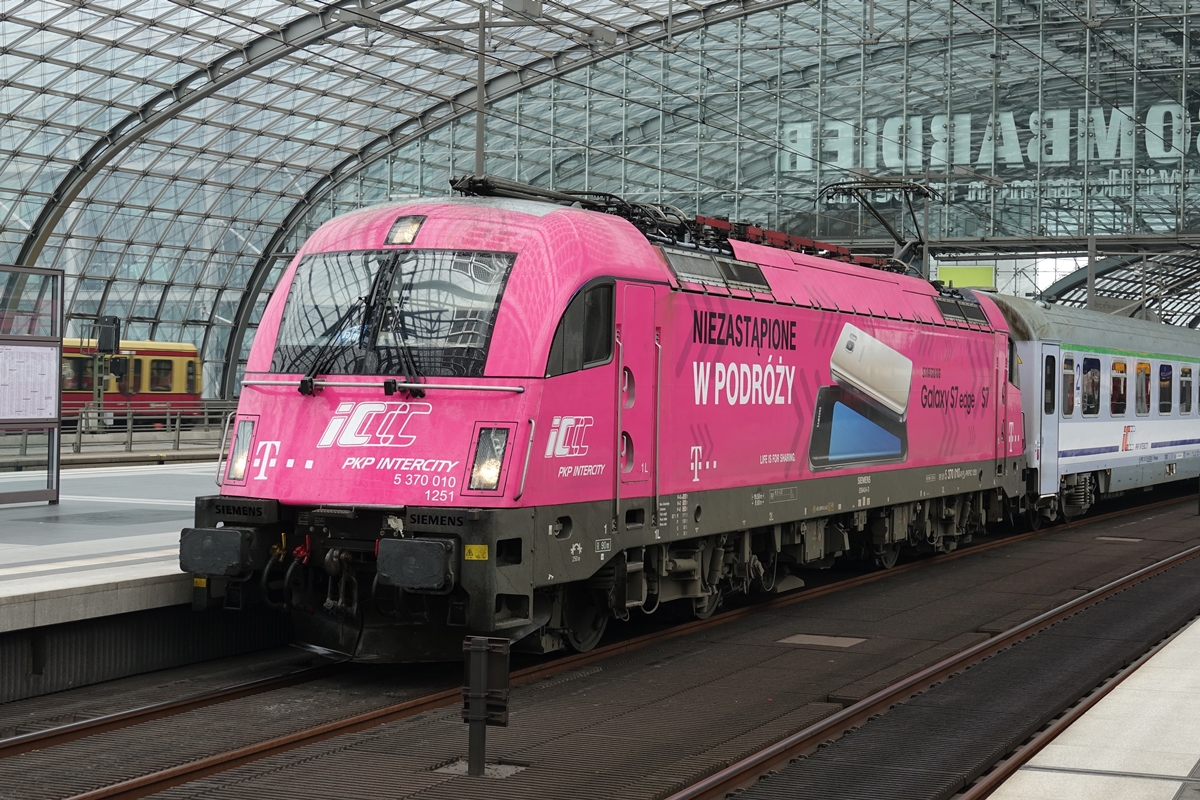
(1125, 437)
(566, 437)
(372, 424)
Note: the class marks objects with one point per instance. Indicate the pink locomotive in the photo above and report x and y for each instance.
(523, 418)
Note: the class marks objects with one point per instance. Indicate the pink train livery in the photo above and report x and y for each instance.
(494, 415)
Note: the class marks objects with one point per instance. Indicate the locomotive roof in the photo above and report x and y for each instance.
(1086, 329)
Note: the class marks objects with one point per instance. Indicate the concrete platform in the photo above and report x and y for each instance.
(109, 547)
(1140, 742)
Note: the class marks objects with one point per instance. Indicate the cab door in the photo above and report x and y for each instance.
(1047, 449)
(637, 389)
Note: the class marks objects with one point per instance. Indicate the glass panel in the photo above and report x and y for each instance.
(1090, 387)
(436, 316)
(1119, 379)
(1068, 385)
(1143, 389)
(28, 306)
(162, 375)
(1165, 390)
(1050, 379)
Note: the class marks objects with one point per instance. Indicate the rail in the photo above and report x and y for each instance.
(123, 428)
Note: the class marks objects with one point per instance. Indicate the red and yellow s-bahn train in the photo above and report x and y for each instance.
(144, 377)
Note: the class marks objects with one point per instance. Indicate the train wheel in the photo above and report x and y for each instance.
(1035, 518)
(584, 620)
(888, 557)
(703, 607)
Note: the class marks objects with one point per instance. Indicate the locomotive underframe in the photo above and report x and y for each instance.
(552, 576)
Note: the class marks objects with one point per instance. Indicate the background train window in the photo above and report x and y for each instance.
(1068, 386)
(585, 333)
(191, 377)
(1051, 379)
(1185, 390)
(1142, 389)
(1166, 390)
(1090, 380)
(77, 375)
(135, 383)
(162, 375)
(1119, 379)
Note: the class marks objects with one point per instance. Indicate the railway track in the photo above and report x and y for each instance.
(152, 782)
(747, 772)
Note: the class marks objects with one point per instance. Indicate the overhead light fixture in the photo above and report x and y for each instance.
(362, 17)
(530, 9)
(598, 34)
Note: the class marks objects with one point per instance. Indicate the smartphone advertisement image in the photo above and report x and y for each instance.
(862, 418)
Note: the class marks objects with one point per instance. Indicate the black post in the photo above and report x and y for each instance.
(485, 693)
(477, 705)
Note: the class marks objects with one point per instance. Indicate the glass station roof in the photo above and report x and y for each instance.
(171, 155)
(152, 149)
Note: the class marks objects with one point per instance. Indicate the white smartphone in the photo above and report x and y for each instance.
(863, 364)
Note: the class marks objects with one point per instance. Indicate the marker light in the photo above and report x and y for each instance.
(489, 456)
(241, 450)
(404, 230)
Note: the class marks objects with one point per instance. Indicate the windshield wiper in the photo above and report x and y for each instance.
(325, 351)
(408, 361)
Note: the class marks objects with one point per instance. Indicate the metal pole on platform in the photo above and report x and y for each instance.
(477, 710)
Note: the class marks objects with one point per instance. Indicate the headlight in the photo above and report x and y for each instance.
(404, 230)
(241, 450)
(489, 457)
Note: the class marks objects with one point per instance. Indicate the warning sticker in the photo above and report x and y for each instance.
(475, 552)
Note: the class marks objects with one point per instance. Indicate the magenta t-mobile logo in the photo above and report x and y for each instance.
(566, 437)
(264, 457)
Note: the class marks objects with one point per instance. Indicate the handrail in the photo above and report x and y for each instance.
(397, 385)
(525, 469)
(221, 453)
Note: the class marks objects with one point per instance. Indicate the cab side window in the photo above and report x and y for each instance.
(585, 333)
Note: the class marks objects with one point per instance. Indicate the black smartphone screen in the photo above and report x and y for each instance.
(847, 430)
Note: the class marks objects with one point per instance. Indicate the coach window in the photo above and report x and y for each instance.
(1185, 390)
(585, 333)
(1119, 380)
(162, 375)
(1090, 380)
(1142, 389)
(1165, 388)
(1051, 378)
(1068, 386)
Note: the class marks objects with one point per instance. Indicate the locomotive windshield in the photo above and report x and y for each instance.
(372, 312)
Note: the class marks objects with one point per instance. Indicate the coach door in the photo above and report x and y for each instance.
(1048, 385)
(637, 395)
